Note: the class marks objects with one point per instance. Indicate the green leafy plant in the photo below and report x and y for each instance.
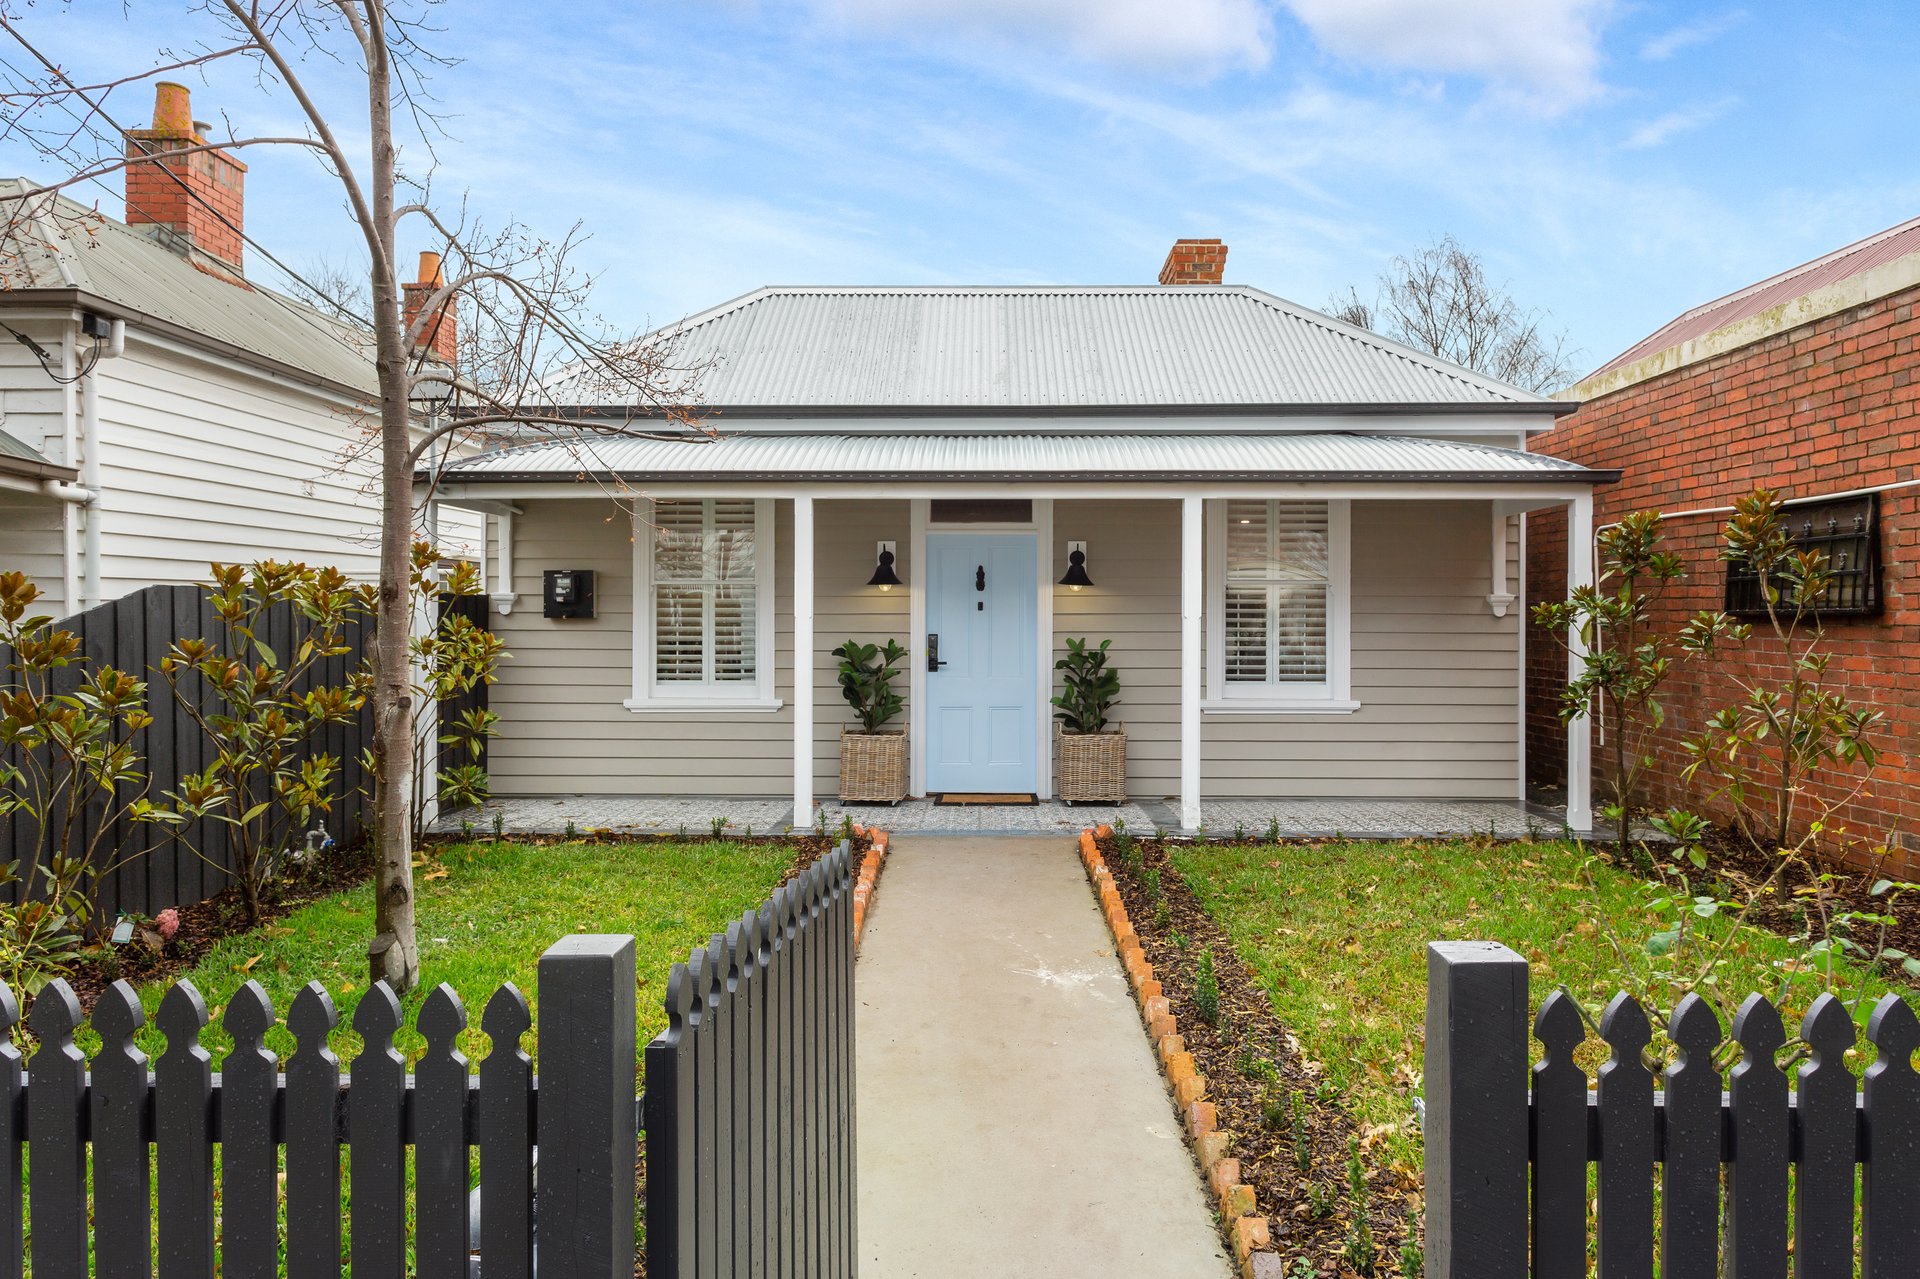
(717, 827)
(71, 775)
(449, 661)
(1321, 1198)
(1626, 656)
(1274, 1111)
(1206, 989)
(258, 708)
(1765, 752)
(1090, 688)
(1359, 1251)
(867, 672)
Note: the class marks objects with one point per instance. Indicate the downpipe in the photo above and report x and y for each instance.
(115, 346)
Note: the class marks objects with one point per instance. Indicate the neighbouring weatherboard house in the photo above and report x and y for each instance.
(1807, 382)
(1302, 539)
(160, 411)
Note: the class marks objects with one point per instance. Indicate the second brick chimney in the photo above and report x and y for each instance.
(440, 335)
(192, 203)
(1194, 262)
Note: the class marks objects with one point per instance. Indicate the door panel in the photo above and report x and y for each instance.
(982, 703)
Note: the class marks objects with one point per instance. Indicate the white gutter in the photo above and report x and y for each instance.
(90, 457)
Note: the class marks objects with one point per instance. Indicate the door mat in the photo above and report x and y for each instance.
(976, 799)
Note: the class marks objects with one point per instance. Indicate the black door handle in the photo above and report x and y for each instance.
(933, 652)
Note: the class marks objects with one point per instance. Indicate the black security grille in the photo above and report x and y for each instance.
(1847, 532)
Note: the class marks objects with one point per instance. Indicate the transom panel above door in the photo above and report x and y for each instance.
(982, 655)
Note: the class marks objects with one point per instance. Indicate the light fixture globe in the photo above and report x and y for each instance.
(1076, 576)
(883, 575)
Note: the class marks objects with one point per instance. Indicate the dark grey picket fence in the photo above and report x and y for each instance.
(749, 1115)
(1753, 1177)
(154, 1131)
(132, 634)
(749, 1094)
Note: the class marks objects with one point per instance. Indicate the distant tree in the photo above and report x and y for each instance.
(1439, 300)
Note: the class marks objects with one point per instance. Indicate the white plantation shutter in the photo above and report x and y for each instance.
(1278, 572)
(706, 595)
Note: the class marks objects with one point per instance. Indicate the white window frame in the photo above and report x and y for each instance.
(1334, 696)
(651, 697)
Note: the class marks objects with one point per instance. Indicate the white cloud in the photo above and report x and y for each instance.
(1548, 51)
(1659, 129)
(1197, 38)
(1685, 36)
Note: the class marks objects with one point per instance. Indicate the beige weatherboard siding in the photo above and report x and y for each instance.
(1435, 673)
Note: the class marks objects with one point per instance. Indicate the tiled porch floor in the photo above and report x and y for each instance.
(1373, 819)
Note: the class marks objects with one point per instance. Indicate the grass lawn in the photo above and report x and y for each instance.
(486, 912)
(1337, 936)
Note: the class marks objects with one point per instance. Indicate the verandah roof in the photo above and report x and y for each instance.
(875, 458)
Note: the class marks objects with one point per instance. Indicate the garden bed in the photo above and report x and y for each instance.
(1290, 1131)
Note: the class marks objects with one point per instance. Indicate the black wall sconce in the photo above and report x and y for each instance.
(1076, 576)
(883, 575)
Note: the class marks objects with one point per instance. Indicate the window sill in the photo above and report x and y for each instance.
(1249, 706)
(703, 705)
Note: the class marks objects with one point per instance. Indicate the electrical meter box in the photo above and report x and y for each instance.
(569, 592)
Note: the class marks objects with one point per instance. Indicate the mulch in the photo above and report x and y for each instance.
(1736, 869)
(1256, 1073)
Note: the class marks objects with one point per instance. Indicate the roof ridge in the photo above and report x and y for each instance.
(1811, 264)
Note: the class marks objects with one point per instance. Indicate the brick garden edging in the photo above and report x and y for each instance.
(868, 881)
(1247, 1231)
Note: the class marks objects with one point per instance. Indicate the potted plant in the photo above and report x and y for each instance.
(1090, 753)
(873, 762)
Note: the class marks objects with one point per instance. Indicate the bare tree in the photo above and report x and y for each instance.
(1439, 300)
(337, 286)
(529, 347)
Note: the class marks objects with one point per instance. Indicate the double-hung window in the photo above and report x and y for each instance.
(703, 604)
(1278, 625)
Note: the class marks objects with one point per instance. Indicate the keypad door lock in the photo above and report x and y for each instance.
(933, 652)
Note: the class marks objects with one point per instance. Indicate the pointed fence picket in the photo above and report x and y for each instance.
(749, 1132)
(157, 1124)
(1501, 1208)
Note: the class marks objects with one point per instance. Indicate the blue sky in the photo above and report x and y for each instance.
(1615, 163)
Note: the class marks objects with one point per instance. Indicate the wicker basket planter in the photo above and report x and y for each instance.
(1091, 768)
(873, 766)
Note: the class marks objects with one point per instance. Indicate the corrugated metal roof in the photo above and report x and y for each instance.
(1048, 348)
(65, 245)
(1822, 272)
(17, 457)
(987, 458)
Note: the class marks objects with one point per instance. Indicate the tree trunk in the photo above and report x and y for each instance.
(394, 954)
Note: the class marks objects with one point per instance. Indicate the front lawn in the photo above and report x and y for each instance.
(486, 912)
(1336, 935)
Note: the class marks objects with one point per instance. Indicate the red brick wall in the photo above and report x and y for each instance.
(211, 217)
(1826, 407)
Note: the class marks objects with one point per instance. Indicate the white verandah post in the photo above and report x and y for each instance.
(802, 663)
(1579, 729)
(1192, 593)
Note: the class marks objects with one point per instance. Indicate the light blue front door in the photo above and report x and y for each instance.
(982, 699)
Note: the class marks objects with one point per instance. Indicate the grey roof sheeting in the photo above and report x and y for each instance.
(1313, 456)
(20, 458)
(63, 247)
(1050, 348)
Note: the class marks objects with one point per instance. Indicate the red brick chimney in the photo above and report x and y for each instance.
(440, 335)
(194, 203)
(1194, 262)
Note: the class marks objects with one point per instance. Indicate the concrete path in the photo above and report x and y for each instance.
(1012, 1120)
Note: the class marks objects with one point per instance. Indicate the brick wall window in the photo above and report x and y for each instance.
(1847, 532)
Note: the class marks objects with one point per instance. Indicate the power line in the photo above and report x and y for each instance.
(177, 180)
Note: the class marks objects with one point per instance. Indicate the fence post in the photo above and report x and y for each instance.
(1476, 1111)
(588, 1133)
